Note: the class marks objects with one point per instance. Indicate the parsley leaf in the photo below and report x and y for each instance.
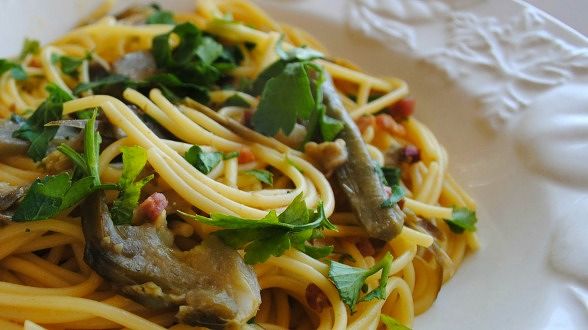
(34, 130)
(174, 89)
(395, 196)
(349, 281)
(329, 127)
(30, 46)
(197, 60)
(390, 177)
(231, 155)
(43, 199)
(462, 220)
(264, 176)
(291, 92)
(204, 161)
(69, 65)
(16, 69)
(190, 69)
(392, 324)
(298, 53)
(134, 160)
(236, 101)
(51, 195)
(160, 17)
(209, 50)
(285, 98)
(114, 79)
(271, 235)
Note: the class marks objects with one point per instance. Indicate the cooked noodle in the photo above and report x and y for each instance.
(43, 278)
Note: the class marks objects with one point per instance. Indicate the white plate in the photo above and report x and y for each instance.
(504, 87)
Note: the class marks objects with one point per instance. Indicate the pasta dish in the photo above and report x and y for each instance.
(216, 169)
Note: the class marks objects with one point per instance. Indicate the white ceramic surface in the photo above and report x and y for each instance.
(504, 87)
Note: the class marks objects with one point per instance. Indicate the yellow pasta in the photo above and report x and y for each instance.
(44, 278)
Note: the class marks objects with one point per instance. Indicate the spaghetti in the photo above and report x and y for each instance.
(44, 280)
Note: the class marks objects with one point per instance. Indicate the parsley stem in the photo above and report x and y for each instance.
(92, 142)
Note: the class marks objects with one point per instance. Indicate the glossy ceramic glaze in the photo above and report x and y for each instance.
(504, 87)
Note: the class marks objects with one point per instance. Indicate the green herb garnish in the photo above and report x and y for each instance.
(236, 101)
(34, 130)
(392, 324)
(291, 92)
(274, 234)
(204, 161)
(160, 16)
(51, 195)
(30, 46)
(134, 160)
(230, 155)
(190, 69)
(16, 69)
(349, 281)
(390, 177)
(70, 65)
(262, 175)
(463, 219)
(111, 80)
(396, 194)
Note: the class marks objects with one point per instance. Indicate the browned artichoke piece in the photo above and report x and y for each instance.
(211, 284)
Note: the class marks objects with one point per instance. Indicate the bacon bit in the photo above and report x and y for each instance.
(365, 247)
(247, 115)
(410, 154)
(316, 298)
(153, 206)
(388, 124)
(34, 63)
(364, 122)
(246, 156)
(402, 109)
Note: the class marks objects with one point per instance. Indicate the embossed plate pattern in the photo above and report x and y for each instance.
(505, 89)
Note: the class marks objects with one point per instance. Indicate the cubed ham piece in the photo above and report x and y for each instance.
(152, 207)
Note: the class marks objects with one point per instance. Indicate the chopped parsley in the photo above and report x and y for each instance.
(349, 281)
(111, 80)
(70, 65)
(264, 176)
(285, 98)
(134, 160)
(396, 195)
(30, 46)
(160, 16)
(463, 219)
(236, 101)
(53, 194)
(291, 93)
(390, 177)
(274, 234)
(392, 324)
(16, 70)
(198, 60)
(230, 155)
(190, 69)
(34, 130)
(203, 161)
